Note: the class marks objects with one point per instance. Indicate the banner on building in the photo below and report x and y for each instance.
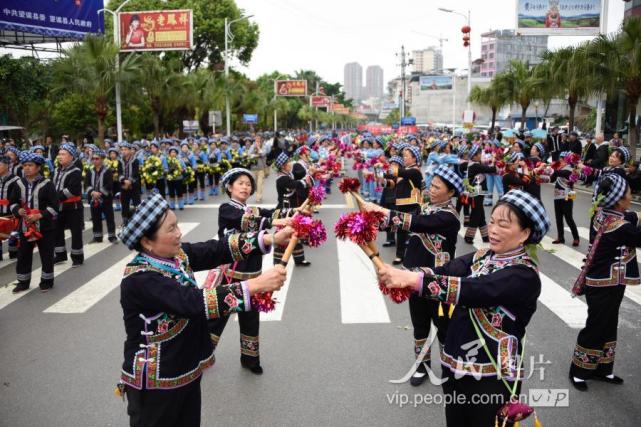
(558, 17)
(320, 101)
(156, 30)
(291, 87)
(64, 19)
(435, 82)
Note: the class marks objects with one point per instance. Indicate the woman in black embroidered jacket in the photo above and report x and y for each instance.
(235, 216)
(168, 345)
(611, 265)
(495, 292)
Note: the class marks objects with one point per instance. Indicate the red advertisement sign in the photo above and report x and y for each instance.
(291, 87)
(156, 30)
(320, 101)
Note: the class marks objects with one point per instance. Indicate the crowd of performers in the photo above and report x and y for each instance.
(416, 185)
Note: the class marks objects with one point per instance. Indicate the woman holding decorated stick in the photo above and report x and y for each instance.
(168, 345)
(432, 243)
(408, 182)
(235, 216)
(495, 293)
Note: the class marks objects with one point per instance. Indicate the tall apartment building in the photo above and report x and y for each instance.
(374, 81)
(353, 81)
(428, 60)
(499, 47)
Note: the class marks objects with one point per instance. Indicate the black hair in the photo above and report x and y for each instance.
(135, 18)
(235, 177)
(152, 233)
(522, 220)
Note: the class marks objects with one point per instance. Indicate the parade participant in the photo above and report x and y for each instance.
(14, 155)
(564, 178)
(189, 185)
(235, 216)
(201, 170)
(175, 186)
(432, 243)
(154, 170)
(214, 156)
(129, 182)
(165, 314)
(619, 157)
(9, 191)
(610, 266)
(495, 293)
(37, 209)
(67, 181)
(408, 183)
(388, 198)
(476, 178)
(115, 164)
(48, 167)
(288, 189)
(99, 190)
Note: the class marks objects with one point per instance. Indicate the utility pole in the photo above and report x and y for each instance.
(403, 64)
(229, 37)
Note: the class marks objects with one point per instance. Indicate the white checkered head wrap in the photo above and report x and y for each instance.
(612, 186)
(451, 177)
(146, 216)
(231, 175)
(71, 149)
(474, 149)
(533, 209)
(625, 153)
(415, 152)
(541, 149)
(398, 160)
(281, 160)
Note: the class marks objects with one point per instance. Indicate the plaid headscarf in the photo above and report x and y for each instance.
(450, 176)
(541, 149)
(71, 149)
(415, 152)
(146, 216)
(533, 209)
(26, 157)
(625, 153)
(616, 188)
(397, 159)
(281, 160)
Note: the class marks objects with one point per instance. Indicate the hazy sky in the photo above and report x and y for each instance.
(325, 35)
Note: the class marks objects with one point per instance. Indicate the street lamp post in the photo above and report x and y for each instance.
(469, 52)
(229, 36)
(116, 30)
(275, 109)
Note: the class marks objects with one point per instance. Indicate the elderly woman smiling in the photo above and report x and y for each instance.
(165, 313)
(495, 291)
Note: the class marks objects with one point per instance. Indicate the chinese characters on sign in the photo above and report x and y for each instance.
(156, 30)
(291, 87)
(558, 17)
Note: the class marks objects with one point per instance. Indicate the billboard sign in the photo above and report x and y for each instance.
(408, 121)
(320, 101)
(156, 30)
(291, 87)
(250, 118)
(71, 19)
(558, 17)
(433, 82)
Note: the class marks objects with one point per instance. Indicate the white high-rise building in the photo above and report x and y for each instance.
(428, 60)
(353, 81)
(374, 81)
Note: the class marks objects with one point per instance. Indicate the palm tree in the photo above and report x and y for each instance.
(89, 69)
(570, 70)
(160, 80)
(619, 62)
(520, 86)
(494, 96)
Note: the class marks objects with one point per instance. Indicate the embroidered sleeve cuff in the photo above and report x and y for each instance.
(224, 300)
(400, 220)
(443, 288)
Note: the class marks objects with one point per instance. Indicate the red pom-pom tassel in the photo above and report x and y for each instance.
(263, 302)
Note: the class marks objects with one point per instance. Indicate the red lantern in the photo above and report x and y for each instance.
(466, 29)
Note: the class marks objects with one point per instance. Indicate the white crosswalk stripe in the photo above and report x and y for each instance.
(7, 262)
(571, 311)
(361, 300)
(83, 298)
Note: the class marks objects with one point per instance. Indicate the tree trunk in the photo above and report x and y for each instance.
(523, 113)
(572, 100)
(633, 135)
(101, 111)
(493, 120)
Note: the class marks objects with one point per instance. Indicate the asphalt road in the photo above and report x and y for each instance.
(329, 353)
